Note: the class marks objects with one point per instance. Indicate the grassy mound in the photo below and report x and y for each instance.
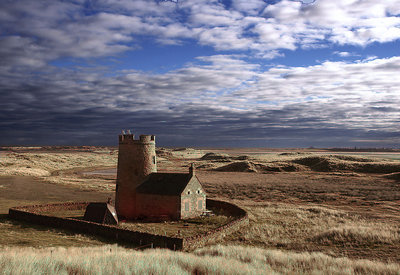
(249, 166)
(241, 166)
(353, 158)
(279, 167)
(332, 163)
(293, 153)
(379, 168)
(319, 163)
(209, 260)
(215, 156)
(243, 157)
(163, 153)
(393, 176)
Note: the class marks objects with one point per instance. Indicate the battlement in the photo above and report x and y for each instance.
(147, 138)
(130, 139)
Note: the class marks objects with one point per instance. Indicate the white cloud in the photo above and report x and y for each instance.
(108, 27)
(252, 7)
(221, 93)
(291, 24)
(355, 22)
(272, 54)
(284, 10)
(332, 93)
(343, 54)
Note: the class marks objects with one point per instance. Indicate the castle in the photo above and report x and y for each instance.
(142, 193)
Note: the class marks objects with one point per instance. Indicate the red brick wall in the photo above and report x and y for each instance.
(158, 206)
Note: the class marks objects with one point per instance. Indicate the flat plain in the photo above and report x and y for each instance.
(343, 206)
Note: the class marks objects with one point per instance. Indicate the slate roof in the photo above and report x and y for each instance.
(101, 212)
(171, 184)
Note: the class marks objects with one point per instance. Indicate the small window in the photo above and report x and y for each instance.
(200, 205)
(189, 192)
(186, 206)
(154, 159)
(198, 191)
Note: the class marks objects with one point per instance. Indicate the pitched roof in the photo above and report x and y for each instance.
(164, 184)
(101, 212)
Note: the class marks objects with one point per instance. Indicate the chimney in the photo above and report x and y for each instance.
(192, 170)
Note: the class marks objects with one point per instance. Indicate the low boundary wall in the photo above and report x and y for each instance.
(240, 219)
(36, 214)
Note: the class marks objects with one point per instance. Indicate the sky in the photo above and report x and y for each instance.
(205, 73)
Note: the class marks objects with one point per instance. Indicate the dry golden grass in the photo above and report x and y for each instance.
(324, 206)
(66, 167)
(185, 153)
(305, 222)
(316, 228)
(297, 161)
(47, 163)
(210, 260)
(17, 234)
(60, 168)
(394, 176)
(186, 228)
(357, 234)
(326, 163)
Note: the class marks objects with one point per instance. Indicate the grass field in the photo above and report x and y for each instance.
(181, 228)
(209, 260)
(309, 212)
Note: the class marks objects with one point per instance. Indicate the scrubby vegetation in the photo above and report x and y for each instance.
(18, 234)
(348, 163)
(339, 213)
(297, 161)
(210, 260)
(241, 166)
(182, 228)
(316, 228)
(393, 176)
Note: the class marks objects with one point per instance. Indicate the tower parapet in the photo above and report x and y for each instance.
(130, 138)
(136, 160)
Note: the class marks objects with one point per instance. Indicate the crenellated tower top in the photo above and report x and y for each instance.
(128, 138)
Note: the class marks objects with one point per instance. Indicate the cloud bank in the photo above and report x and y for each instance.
(221, 99)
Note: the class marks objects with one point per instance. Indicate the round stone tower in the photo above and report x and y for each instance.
(136, 160)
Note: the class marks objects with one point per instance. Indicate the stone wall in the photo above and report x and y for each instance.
(36, 214)
(212, 236)
(33, 214)
(191, 196)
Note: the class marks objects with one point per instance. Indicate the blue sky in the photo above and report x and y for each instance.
(201, 73)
